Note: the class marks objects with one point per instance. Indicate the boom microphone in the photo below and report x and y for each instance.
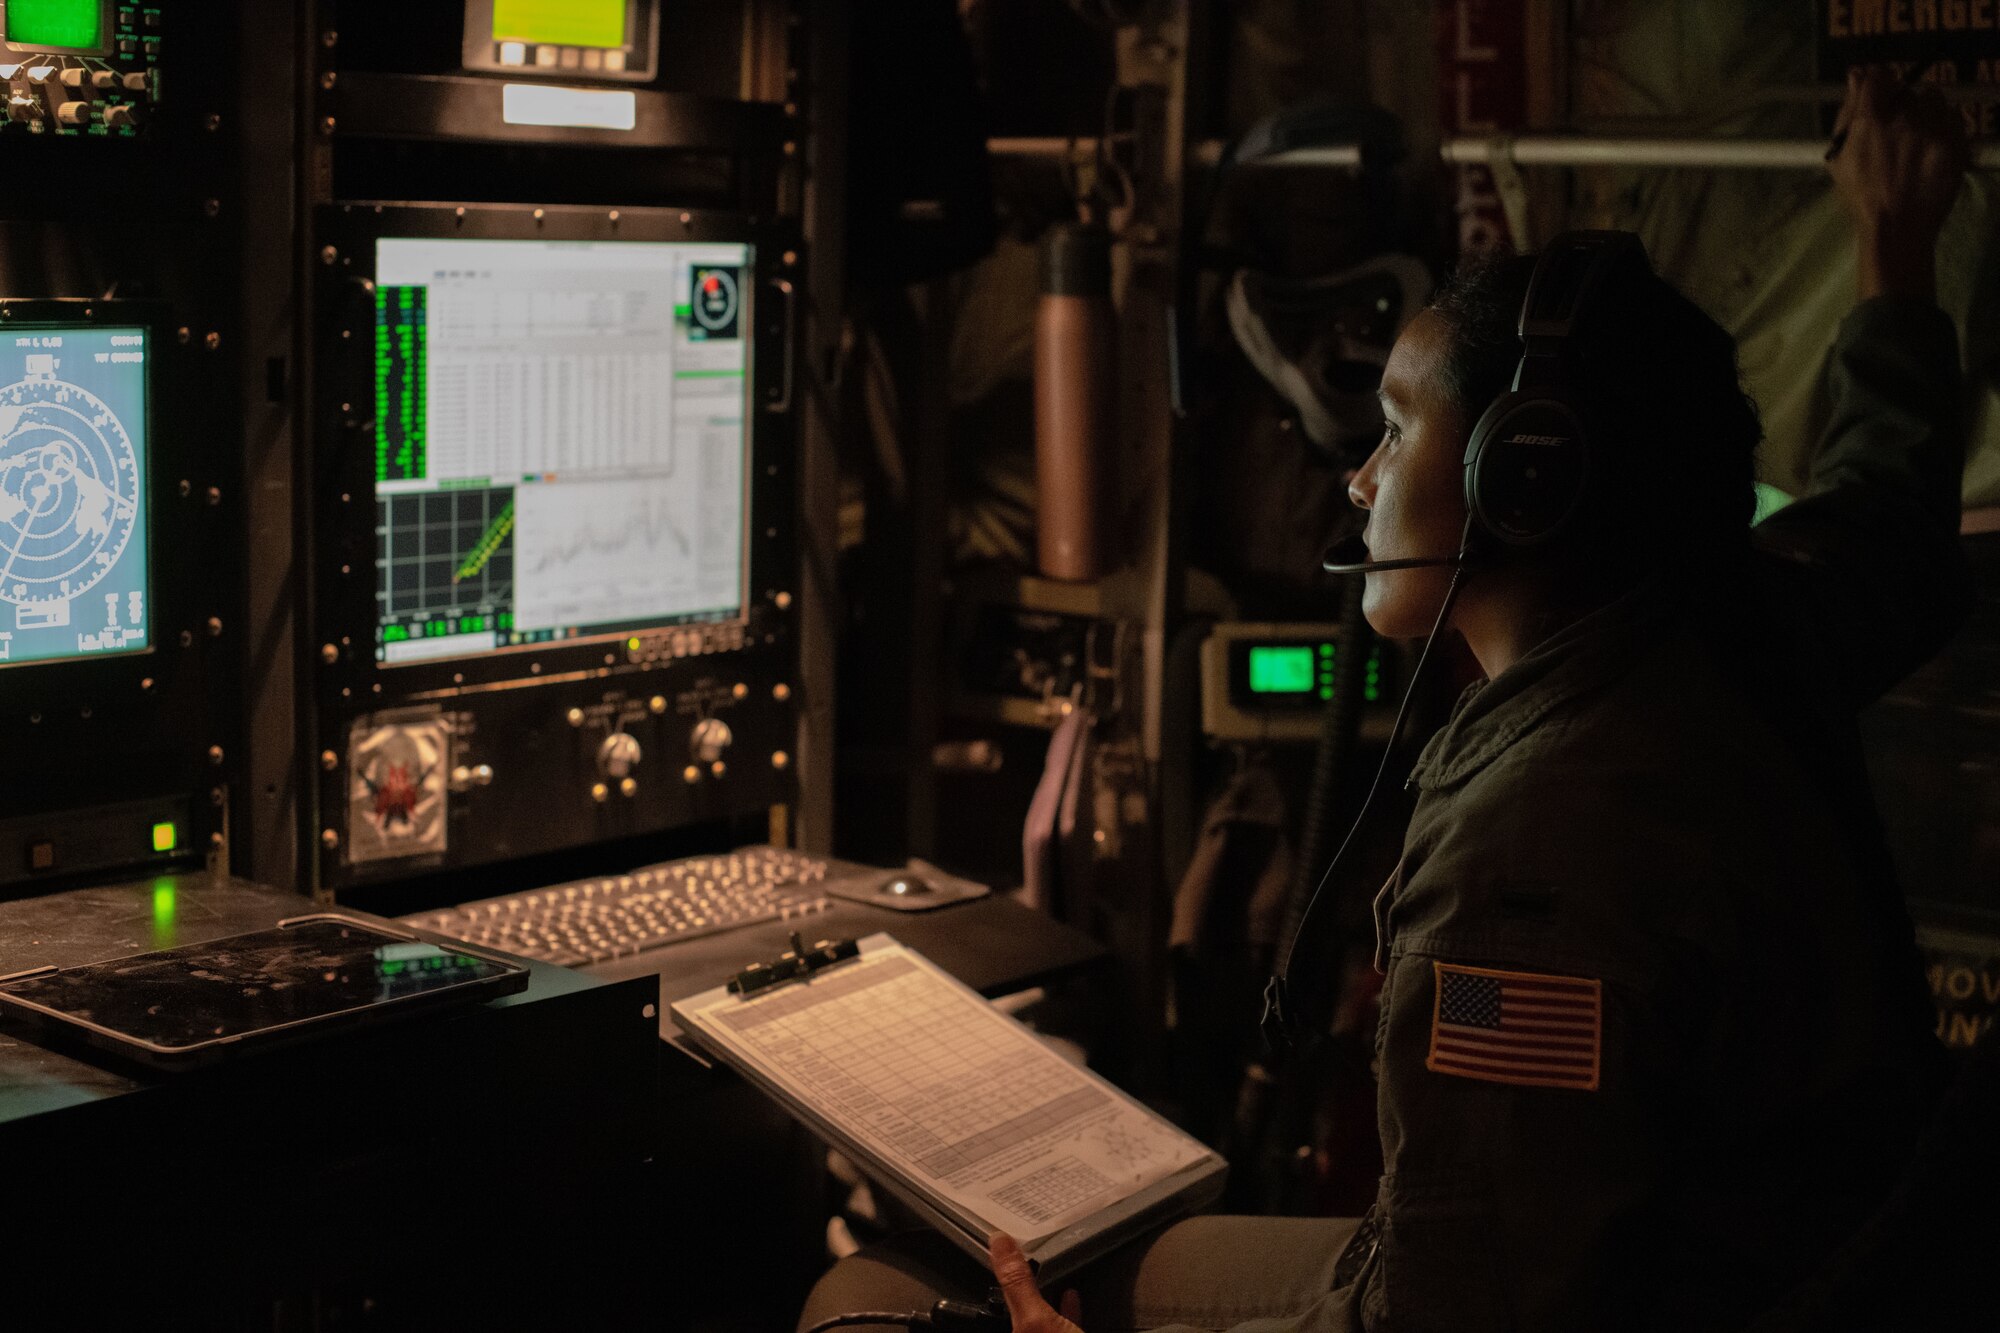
(1349, 555)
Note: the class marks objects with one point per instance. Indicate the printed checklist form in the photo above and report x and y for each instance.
(957, 1108)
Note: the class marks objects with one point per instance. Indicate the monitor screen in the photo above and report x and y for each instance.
(560, 441)
(587, 23)
(73, 558)
(57, 25)
(1281, 668)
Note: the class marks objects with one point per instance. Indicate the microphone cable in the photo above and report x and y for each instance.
(1278, 1022)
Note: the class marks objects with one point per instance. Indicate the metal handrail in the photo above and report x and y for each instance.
(1585, 150)
(1536, 150)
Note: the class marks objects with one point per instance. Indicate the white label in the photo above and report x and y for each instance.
(581, 108)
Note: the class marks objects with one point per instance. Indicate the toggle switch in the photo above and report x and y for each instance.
(618, 755)
(710, 737)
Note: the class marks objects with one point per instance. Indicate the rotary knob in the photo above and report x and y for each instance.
(710, 737)
(618, 755)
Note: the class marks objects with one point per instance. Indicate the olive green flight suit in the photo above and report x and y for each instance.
(1650, 843)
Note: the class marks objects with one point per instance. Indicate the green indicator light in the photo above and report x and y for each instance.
(1280, 670)
(1371, 693)
(166, 836)
(165, 907)
(1326, 691)
(390, 969)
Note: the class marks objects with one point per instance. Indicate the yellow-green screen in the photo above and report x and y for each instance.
(560, 22)
(76, 24)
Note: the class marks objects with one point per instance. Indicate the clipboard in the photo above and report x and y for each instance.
(952, 1106)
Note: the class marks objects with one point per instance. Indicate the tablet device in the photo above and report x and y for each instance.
(176, 1008)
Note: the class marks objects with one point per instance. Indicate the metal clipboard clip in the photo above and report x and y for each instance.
(799, 964)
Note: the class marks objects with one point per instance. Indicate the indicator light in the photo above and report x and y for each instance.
(166, 837)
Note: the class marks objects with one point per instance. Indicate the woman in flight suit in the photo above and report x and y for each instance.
(1653, 1041)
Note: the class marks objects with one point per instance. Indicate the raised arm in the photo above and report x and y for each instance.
(1873, 546)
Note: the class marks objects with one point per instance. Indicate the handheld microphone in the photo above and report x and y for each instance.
(1349, 555)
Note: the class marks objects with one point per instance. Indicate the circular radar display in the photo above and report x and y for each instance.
(69, 492)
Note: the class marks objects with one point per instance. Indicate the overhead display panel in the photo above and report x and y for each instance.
(563, 39)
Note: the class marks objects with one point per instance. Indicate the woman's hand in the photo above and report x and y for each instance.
(1027, 1309)
(1901, 159)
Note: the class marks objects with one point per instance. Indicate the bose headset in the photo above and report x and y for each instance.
(1527, 469)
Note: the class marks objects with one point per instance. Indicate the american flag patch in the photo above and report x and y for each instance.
(1516, 1027)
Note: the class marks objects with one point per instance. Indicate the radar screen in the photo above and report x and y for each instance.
(73, 560)
(560, 441)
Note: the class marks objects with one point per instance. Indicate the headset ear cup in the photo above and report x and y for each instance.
(1526, 466)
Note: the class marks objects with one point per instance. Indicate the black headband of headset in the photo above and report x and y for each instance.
(1566, 276)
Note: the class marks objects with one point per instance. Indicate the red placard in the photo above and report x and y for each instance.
(1483, 89)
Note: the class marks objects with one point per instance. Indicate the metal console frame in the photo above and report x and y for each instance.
(347, 682)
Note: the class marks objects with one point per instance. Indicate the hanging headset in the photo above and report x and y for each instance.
(1527, 467)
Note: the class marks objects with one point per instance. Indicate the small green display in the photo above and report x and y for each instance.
(599, 23)
(1286, 669)
(73, 25)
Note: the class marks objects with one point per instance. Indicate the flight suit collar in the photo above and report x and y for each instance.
(1490, 716)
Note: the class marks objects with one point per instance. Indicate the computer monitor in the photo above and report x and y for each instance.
(56, 27)
(562, 39)
(74, 572)
(560, 441)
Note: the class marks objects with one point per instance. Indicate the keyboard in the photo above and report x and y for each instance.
(595, 920)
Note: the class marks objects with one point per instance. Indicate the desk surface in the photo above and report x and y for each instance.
(89, 925)
(499, 1145)
(993, 944)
